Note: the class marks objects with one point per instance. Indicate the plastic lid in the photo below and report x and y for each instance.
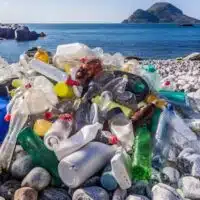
(114, 112)
(66, 117)
(113, 140)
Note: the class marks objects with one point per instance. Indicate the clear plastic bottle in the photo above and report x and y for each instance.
(153, 79)
(18, 119)
(194, 124)
(48, 71)
(59, 131)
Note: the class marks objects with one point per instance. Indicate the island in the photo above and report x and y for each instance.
(18, 32)
(161, 12)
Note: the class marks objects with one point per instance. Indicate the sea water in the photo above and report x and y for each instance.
(158, 41)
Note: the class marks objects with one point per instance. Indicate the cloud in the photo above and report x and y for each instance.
(5, 3)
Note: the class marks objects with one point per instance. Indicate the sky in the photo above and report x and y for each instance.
(81, 11)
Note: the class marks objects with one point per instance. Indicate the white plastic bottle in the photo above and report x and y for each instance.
(121, 169)
(59, 131)
(76, 168)
(77, 141)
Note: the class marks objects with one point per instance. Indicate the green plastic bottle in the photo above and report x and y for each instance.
(154, 120)
(40, 155)
(142, 157)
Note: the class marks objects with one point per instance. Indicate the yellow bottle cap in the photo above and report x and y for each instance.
(17, 83)
(67, 68)
(64, 91)
(41, 127)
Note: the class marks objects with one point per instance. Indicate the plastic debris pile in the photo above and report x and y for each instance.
(96, 126)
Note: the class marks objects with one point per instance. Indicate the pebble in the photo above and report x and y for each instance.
(170, 176)
(91, 193)
(1, 198)
(136, 197)
(54, 194)
(38, 178)
(119, 194)
(94, 181)
(7, 190)
(190, 187)
(140, 188)
(26, 193)
(196, 168)
(165, 192)
(19, 152)
(21, 167)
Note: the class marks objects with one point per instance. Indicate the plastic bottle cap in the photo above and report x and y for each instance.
(167, 83)
(66, 117)
(27, 86)
(150, 68)
(71, 82)
(113, 140)
(48, 115)
(7, 117)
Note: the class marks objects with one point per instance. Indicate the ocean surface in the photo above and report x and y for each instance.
(158, 41)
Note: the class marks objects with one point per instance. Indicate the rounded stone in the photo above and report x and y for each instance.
(136, 197)
(21, 167)
(7, 190)
(119, 194)
(26, 193)
(38, 178)
(54, 194)
(165, 192)
(90, 193)
(190, 187)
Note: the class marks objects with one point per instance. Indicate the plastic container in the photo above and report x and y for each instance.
(149, 73)
(142, 157)
(40, 155)
(77, 141)
(122, 127)
(121, 169)
(48, 70)
(59, 131)
(76, 168)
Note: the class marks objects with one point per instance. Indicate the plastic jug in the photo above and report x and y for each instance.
(121, 169)
(59, 131)
(76, 168)
(40, 155)
(77, 141)
(122, 127)
(42, 55)
(141, 165)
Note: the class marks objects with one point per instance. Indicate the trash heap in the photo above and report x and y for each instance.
(84, 124)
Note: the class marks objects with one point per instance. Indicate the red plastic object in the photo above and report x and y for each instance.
(7, 117)
(71, 82)
(48, 115)
(113, 140)
(27, 86)
(167, 83)
(67, 117)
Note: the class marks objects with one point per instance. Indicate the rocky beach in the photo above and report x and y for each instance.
(179, 180)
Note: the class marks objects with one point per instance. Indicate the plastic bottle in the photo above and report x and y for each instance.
(162, 142)
(141, 165)
(81, 165)
(121, 169)
(59, 131)
(42, 55)
(77, 141)
(150, 74)
(143, 114)
(107, 179)
(159, 103)
(3, 124)
(108, 104)
(40, 155)
(48, 70)
(122, 127)
(41, 126)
